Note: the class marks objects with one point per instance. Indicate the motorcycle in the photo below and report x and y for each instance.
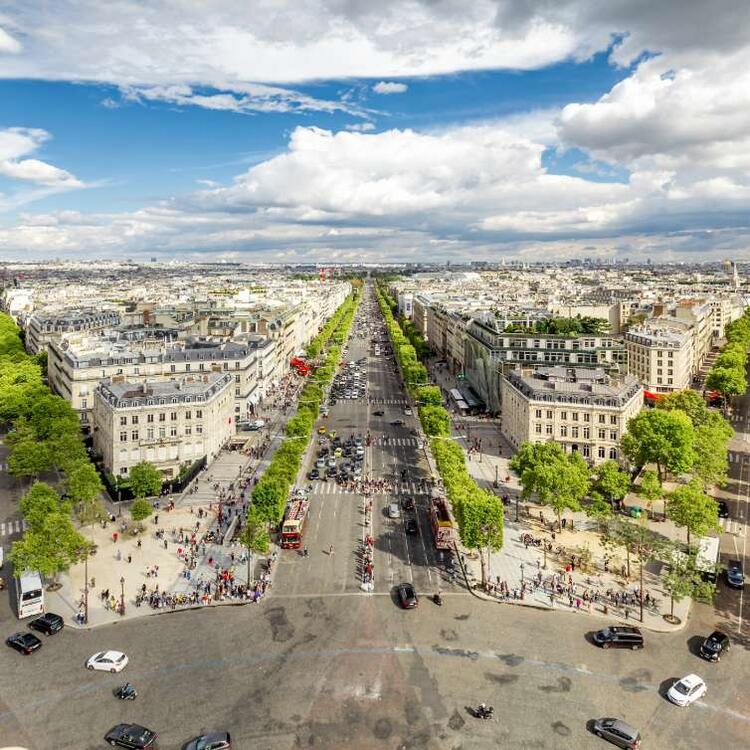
(126, 692)
(483, 711)
(528, 539)
(437, 599)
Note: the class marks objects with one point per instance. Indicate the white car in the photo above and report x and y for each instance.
(108, 661)
(687, 690)
(394, 511)
(407, 412)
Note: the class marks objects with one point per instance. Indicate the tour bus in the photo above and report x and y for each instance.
(30, 594)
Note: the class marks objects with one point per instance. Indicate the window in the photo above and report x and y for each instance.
(602, 434)
(587, 433)
(563, 415)
(187, 367)
(237, 392)
(658, 380)
(602, 419)
(538, 413)
(199, 429)
(563, 431)
(173, 430)
(602, 452)
(613, 419)
(613, 454)
(199, 413)
(575, 416)
(188, 430)
(226, 365)
(613, 435)
(201, 367)
(236, 378)
(586, 417)
(587, 451)
(188, 415)
(669, 381)
(150, 433)
(84, 403)
(163, 417)
(548, 429)
(162, 432)
(549, 413)
(172, 368)
(134, 419)
(123, 471)
(659, 372)
(123, 421)
(134, 435)
(150, 418)
(123, 437)
(173, 416)
(574, 432)
(236, 365)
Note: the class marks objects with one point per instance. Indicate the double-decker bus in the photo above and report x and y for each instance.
(293, 525)
(443, 525)
(30, 594)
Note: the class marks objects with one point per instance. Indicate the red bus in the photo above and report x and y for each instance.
(293, 525)
(443, 525)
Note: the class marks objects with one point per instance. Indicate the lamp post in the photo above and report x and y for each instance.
(522, 580)
(122, 596)
(83, 551)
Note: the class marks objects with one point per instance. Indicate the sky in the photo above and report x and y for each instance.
(404, 130)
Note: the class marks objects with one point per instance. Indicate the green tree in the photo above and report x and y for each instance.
(51, 549)
(711, 448)
(52, 415)
(254, 537)
(29, 459)
(598, 508)
(650, 488)
(691, 507)
(83, 483)
(435, 420)
(140, 509)
(482, 527)
(687, 401)
(558, 479)
(664, 438)
(611, 481)
(682, 579)
(40, 502)
(67, 450)
(728, 381)
(430, 395)
(145, 479)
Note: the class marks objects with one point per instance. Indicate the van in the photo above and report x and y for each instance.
(619, 636)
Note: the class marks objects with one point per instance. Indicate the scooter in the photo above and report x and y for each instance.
(483, 711)
(437, 599)
(126, 692)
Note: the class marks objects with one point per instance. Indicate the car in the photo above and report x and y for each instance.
(331, 471)
(108, 661)
(320, 463)
(408, 503)
(687, 690)
(324, 413)
(313, 474)
(407, 412)
(130, 735)
(258, 423)
(210, 741)
(332, 462)
(358, 441)
(26, 643)
(619, 636)
(397, 422)
(322, 430)
(324, 450)
(618, 733)
(357, 471)
(714, 646)
(735, 574)
(407, 596)
(49, 623)
(393, 511)
(411, 526)
(359, 452)
(722, 509)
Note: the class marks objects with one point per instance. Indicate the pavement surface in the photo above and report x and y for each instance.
(322, 664)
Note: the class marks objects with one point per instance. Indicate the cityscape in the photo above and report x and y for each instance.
(374, 376)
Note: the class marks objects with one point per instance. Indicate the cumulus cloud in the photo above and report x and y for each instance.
(8, 44)
(18, 143)
(389, 87)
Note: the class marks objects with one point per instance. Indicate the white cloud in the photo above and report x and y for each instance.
(8, 44)
(360, 127)
(18, 143)
(389, 87)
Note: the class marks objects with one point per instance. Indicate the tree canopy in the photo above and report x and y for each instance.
(145, 479)
(689, 506)
(664, 438)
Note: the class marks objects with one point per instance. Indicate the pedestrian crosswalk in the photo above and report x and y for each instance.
(390, 401)
(383, 441)
(737, 457)
(331, 488)
(13, 527)
(731, 526)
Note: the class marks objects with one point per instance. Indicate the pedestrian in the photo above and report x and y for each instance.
(138, 544)
(114, 537)
(93, 583)
(330, 550)
(130, 558)
(118, 555)
(165, 544)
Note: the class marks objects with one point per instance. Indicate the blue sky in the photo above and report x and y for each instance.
(320, 132)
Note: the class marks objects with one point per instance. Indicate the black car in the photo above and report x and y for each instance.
(130, 735)
(619, 636)
(49, 623)
(735, 574)
(331, 471)
(408, 503)
(407, 596)
(411, 526)
(722, 509)
(210, 741)
(313, 474)
(397, 422)
(24, 642)
(714, 646)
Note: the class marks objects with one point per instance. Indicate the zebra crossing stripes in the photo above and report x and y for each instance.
(13, 527)
(391, 401)
(383, 441)
(736, 457)
(331, 488)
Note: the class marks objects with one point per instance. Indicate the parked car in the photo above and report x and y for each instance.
(408, 503)
(618, 733)
(393, 511)
(397, 422)
(407, 596)
(687, 690)
(411, 526)
(722, 509)
(619, 636)
(407, 412)
(313, 474)
(714, 646)
(26, 643)
(210, 741)
(130, 735)
(735, 574)
(378, 413)
(108, 661)
(49, 623)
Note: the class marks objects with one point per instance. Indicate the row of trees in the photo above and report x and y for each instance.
(271, 492)
(45, 437)
(578, 326)
(479, 513)
(728, 374)
(412, 333)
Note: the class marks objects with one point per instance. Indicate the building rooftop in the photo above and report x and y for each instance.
(160, 392)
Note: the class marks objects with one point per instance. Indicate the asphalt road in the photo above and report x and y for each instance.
(319, 664)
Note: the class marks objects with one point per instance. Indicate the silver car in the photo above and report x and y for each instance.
(618, 733)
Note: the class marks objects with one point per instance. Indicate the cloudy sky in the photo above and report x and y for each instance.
(340, 130)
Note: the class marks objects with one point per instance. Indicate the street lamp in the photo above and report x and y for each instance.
(84, 551)
(522, 580)
(122, 596)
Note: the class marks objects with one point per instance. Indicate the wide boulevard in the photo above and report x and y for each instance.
(322, 664)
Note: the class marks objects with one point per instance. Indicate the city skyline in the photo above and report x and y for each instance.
(410, 133)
